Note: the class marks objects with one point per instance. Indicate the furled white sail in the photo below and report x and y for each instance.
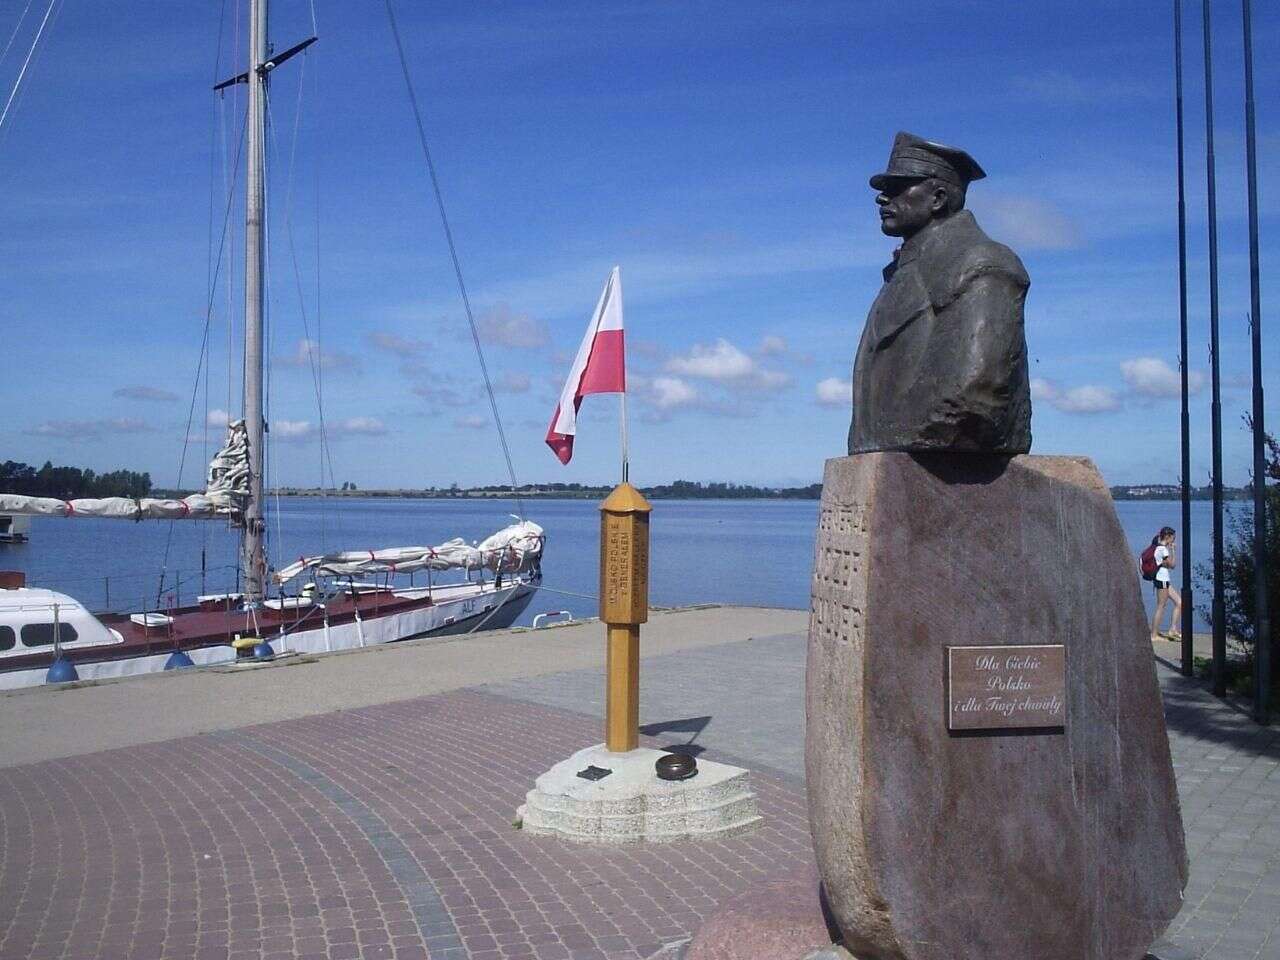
(511, 550)
(227, 489)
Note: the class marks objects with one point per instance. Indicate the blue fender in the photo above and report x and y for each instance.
(61, 670)
(177, 660)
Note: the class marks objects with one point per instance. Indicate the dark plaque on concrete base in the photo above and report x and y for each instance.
(1044, 828)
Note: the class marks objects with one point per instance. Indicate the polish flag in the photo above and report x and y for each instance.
(599, 367)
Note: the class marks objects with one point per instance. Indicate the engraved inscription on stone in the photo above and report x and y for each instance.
(838, 591)
(1002, 687)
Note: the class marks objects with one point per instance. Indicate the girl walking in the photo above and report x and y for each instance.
(1165, 592)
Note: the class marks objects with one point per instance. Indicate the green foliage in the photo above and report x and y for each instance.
(68, 483)
(1238, 678)
(1239, 584)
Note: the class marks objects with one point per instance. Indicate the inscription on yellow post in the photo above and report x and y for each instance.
(624, 605)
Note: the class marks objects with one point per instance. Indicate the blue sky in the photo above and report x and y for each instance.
(718, 152)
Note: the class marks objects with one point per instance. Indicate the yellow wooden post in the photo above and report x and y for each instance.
(624, 605)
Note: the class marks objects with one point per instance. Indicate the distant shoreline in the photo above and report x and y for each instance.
(684, 490)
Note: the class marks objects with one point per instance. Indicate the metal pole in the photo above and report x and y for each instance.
(252, 556)
(626, 466)
(1261, 618)
(1219, 606)
(1188, 616)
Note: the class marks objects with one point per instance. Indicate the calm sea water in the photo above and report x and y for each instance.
(703, 551)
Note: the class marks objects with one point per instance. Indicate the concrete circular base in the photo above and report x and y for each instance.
(631, 805)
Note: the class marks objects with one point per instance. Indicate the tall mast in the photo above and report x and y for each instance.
(253, 561)
(253, 558)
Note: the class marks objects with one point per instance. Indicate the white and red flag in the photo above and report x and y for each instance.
(599, 367)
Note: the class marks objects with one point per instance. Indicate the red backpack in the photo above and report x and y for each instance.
(1148, 562)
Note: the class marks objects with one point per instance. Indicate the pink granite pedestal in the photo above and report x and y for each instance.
(777, 919)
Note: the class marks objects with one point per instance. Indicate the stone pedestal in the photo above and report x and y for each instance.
(776, 919)
(632, 805)
(1054, 842)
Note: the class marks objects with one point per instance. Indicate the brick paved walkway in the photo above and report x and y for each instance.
(378, 832)
(385, 831)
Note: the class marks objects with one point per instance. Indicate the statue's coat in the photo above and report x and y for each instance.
(943, 360)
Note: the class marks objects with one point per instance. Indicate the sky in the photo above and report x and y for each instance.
(718, 152)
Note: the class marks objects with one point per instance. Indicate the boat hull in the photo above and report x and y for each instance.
(405, 615)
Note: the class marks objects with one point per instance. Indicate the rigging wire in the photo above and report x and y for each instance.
(269, 333)
(315, 357)
(214, 152)
(17, 84)
(453, 254)
(204, 348)
(326, 454)
(16, 27)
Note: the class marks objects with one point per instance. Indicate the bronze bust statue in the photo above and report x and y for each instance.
(943, 360)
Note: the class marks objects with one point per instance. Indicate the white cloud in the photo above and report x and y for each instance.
(1086, 399)
(327, 359)
(722, 362)
(295, 431)
(1152, 377)
(772, 346)
(438, 393)
(505, 328)
(394, 343)
(90, 429)
(834, 392)
(140, 392)
(471, 421)
(1027, 223)
(1042, 389)
(285, 430)
(670, 393)
(217, 418)
(369, 426)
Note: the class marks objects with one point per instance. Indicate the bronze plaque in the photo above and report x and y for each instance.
(624, 568)
(999, 688)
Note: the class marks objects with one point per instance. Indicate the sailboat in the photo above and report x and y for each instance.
(321, 603)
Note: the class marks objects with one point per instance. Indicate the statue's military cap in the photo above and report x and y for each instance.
(914, 158)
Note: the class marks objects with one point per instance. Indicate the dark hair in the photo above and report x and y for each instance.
(1164, 532)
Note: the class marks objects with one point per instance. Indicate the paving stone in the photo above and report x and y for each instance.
(406, 807)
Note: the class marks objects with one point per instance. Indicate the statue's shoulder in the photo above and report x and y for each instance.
(966, 253)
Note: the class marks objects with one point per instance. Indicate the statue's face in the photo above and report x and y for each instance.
(907, 206)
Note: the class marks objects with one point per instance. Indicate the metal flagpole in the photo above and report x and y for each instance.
(1219, 606)
(626, 466)
(626, 456)
(1188, 616)
(1261, 618)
